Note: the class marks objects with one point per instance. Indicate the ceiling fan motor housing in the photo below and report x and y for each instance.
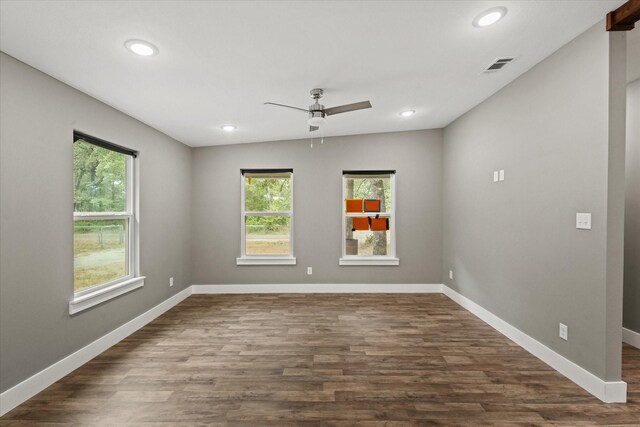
(316, 93)
(316, 110)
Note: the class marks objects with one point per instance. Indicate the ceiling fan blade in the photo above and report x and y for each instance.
(286, 106)
(312, 128)
(346, 108)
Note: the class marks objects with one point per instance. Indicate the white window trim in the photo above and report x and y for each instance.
(382, 260)
(98, 294)
(264, 260)
(245, 259)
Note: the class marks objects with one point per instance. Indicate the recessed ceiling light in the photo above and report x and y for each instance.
(490, 16)
(408, 113)
(228, 128)
(141, 47)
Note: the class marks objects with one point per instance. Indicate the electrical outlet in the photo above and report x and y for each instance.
(451, 274)
(501, 175)
(309, 271)
(564, 332)
(170, 281)
(495, 176)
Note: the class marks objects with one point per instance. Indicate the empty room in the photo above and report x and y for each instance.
(354, 213)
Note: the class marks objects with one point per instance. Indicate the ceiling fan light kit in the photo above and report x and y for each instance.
(317, 113)
(316, 118)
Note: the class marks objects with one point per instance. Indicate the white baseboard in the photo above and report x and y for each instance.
(608, 392)
(320, 288)
(43, 379)
(631, 337)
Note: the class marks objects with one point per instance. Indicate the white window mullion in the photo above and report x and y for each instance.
(243, 217)
(392, 219)
(129, 246)
(286, 213)
(100, 215)
(361, 214)
(291, 252)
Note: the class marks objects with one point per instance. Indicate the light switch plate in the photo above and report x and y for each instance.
(309, 271)
(495, 176)
(451, 274)
(564, 332)
(501, 174)
(583, 221)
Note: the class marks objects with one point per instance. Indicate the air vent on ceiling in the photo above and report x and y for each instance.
(499, 64)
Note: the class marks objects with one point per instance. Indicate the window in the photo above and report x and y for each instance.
(104, 231)
(266, 217)
(368, 218)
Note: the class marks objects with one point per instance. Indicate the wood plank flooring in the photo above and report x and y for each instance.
(369, 360)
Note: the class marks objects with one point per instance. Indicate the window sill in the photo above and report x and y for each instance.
(88, 300)
(370, 261)
(266, 260)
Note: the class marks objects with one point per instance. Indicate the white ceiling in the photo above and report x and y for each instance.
(220, 61)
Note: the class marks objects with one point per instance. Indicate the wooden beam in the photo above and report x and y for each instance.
(624, 17)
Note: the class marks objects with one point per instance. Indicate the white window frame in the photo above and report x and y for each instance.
(244, 259)
(100, 293)
(382, 260)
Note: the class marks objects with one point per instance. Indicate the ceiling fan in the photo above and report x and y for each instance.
(317, 112)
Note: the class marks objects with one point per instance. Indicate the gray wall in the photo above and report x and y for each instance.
(513, 245)
(417, 157)
(617, 107)
(38, 115)
(632, 214)
(633, 55)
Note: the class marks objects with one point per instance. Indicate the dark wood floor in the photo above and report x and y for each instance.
(371, 360)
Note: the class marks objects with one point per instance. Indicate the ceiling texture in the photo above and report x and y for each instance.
(219, 61)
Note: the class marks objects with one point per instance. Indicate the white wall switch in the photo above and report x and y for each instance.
(451, 274)
(564, 332)
(495, 176)
(309, 271)
(170, 281)
(583, 221)
(501, 175)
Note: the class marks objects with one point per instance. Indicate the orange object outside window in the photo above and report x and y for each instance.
(372, 205)
(360, 223)
(379, 224)
(353, 205)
